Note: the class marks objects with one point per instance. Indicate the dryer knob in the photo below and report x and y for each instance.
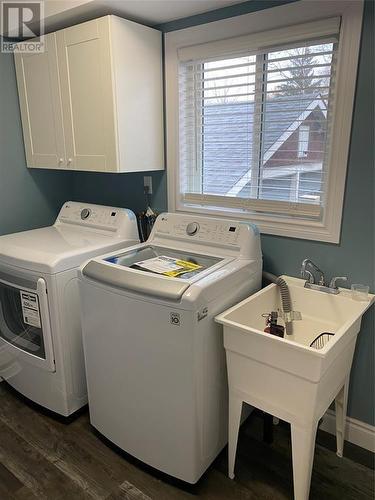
(85, 213)
(192, 228)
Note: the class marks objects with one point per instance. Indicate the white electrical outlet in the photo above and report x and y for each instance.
(147, 183)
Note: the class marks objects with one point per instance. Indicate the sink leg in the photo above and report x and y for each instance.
(303, 447)
(235, 409)
(341, 403)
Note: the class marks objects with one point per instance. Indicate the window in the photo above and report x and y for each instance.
(245, 126)
(251, 119)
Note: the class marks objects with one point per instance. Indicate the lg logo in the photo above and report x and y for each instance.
(21, 21)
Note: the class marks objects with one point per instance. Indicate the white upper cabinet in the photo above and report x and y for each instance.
(94, 100)
(39, 94)
(87, 91)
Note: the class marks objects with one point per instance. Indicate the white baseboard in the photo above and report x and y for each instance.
(356, 432)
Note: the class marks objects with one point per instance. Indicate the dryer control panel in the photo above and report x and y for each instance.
(107, 219)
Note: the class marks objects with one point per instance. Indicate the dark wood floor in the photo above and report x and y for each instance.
(42, 458)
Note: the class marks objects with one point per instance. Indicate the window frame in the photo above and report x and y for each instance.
(328, 229)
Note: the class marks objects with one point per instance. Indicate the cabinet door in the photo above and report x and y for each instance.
(40, 103)
(87, 95)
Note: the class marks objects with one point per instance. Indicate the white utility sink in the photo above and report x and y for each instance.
(285, 376)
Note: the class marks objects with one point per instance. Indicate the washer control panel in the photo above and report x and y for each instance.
(205, 230)
(207, 234)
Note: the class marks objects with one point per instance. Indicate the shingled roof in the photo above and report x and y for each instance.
(228, 130)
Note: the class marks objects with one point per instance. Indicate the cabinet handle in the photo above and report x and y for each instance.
(61, 160)
(69, 161)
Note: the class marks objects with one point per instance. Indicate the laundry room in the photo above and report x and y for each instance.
(187, 249)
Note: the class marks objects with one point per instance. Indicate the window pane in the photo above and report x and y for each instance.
(295, 117)
(256, 126)
(227, 122)
(229, 81)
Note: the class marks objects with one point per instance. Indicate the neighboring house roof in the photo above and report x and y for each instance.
(233, 121)
(317, 102)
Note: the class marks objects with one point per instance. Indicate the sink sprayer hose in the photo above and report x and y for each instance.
(285, 297)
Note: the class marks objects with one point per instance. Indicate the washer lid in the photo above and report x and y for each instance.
(161, 272)
(164, 261)
(56, 248)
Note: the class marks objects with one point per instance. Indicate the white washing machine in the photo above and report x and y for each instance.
(41, 352)
(155, 360)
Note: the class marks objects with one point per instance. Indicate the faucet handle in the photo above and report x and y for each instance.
(307, 275)
(334, 281)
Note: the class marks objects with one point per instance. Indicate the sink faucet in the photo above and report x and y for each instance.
(308, 275)
(334, 280)
(320, 286)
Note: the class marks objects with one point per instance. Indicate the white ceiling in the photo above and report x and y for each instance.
(59, 14)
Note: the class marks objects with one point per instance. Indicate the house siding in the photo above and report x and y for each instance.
(287, 154)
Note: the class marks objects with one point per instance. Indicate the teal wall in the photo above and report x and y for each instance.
(223, 13)
(120, 189)
(31, 198)
(28, 198)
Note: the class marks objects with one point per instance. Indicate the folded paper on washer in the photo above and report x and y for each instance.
(168, 266)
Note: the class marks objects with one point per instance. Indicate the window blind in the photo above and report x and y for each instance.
(255, 126)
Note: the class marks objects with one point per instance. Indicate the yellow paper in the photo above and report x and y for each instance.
(185, 267)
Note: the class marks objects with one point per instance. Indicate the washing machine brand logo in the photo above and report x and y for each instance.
(202, 313)
(175, 319)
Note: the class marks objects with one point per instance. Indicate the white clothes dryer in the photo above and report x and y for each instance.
(41, 353)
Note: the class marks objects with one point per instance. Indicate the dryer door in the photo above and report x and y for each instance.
(25, 330)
